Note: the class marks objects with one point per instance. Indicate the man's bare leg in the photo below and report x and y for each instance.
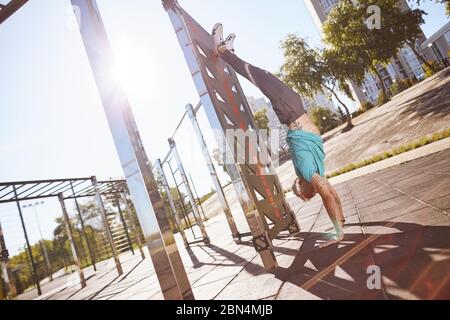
(340, 216)
(332, 205)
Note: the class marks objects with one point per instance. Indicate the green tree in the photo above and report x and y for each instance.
(324, 119)
(446, 2)
(352, 42)
(262, 120)
(407, 24)
(341, 115)
(309, 71)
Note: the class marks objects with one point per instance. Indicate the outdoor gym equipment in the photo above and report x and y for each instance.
(69, 189)
(192, 113)
(226, 107)
(137, 170)
(182, 215)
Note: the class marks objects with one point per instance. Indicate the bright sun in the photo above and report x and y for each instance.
(132, 69)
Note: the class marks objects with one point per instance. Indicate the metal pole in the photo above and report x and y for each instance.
(48, 267)
(173, 147)
(438, 55)
(101, 207)
(213, 173)
(161, 173)
(59, 239)
(134, 228)
(197, 198)
(6, 271)
(46, 260)
(137, 169)
(30, 253)
(76, 259)
(184, 213)
(91, 252)
(122, 218)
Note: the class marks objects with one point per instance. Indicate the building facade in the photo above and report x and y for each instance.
(321, 99)
(437, 47)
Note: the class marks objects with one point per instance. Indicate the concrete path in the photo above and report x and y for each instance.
(394, 161)
(397, 220)
(419, 111)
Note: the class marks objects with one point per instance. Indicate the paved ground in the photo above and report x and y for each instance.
(397, 219)
(421, 110)
(408, 156)
(59, 279)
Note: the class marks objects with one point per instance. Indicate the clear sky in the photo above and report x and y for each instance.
(52, 124)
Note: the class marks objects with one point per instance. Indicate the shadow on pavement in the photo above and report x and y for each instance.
(414, 262)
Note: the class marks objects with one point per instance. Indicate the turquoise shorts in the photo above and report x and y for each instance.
(308, 156)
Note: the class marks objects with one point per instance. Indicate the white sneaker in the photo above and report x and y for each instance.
(217, 33)
(229, 42)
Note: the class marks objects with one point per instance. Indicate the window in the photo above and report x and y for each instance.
(447, 37)
(327, 5)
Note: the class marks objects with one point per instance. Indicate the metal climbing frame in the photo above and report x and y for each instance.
(182, 214)
(226, 107)
(65, 189)
(147, 201)
(135, 228)
(176, 214)
(192, 113)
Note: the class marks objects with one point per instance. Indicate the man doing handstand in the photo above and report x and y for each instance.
(305, 142)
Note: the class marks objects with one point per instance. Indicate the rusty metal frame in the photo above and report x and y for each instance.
(8, 9)
(227, 109)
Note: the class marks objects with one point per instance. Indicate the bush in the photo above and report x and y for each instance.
(324, 119)
(366, 106)
(382, 99)
(435, 67)
(401, 85)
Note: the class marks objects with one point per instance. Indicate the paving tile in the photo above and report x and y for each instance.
(290, 291)
(254, 288)
(211, 289)
(441, 202)
(403, 257)
(389, 209)
(332, 273)
(408, 222)
(422, 276)
(378, 197)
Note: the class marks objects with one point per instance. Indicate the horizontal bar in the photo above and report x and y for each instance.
(10, 8)
(197, 107)
(42, 181)
(166, 157)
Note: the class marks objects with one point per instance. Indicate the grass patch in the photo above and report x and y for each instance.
(394, 152)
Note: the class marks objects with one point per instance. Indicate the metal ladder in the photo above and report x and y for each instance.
(185, 208)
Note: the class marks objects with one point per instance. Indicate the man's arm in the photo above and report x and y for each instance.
(322, 187)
